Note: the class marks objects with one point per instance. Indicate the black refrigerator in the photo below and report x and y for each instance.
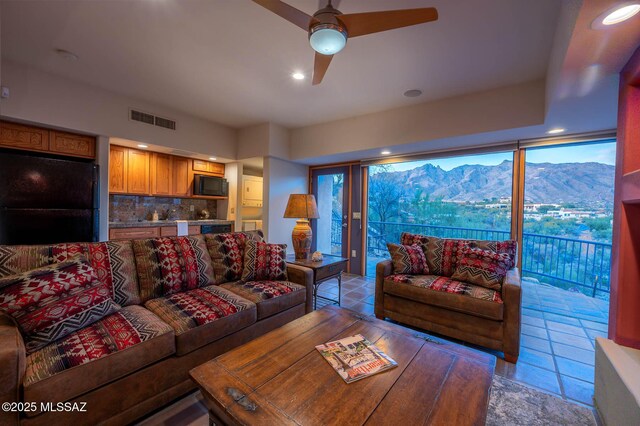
(47, 200)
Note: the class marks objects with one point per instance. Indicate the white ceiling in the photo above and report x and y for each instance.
(230, 61)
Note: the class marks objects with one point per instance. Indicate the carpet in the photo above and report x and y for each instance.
(514, 404)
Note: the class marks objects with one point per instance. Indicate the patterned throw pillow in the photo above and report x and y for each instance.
(485, 268)
(227, 253)
(443, 253)
(171, 265)
(113, 262)
(408, 259)
(264, 261)
(54, 301)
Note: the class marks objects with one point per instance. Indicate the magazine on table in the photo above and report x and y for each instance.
(355, 358)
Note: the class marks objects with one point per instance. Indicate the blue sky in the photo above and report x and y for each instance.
(601, 153)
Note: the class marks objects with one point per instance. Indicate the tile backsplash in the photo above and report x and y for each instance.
(125, 208)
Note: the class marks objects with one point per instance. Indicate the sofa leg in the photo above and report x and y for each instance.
(511, 358)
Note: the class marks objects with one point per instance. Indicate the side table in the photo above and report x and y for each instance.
(328, 268)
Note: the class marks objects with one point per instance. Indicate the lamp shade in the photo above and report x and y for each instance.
(302, 206)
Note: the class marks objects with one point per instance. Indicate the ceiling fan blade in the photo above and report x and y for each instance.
(290, 13)
(320, 66)
(359, 24)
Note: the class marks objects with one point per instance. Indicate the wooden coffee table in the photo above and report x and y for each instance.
(280, 378)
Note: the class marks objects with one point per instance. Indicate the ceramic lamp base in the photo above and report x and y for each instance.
(302, 237)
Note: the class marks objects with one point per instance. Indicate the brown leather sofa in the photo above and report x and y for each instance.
(126, 384)
(472, 315)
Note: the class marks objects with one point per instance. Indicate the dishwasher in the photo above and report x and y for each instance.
(215, 229)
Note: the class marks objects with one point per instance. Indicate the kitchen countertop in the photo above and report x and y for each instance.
(149, 223)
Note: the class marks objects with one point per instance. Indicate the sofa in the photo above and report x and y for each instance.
(160, 307)
(487, 315)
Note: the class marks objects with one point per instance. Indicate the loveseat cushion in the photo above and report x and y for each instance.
(443, 253)
(203, 315)
(264, 261)
(171, 265)
(108, 349)
(227, 253)
(485, 268)
(447, 293)
(113, 262)
(52, 302)
(270, 297)
(408, 259)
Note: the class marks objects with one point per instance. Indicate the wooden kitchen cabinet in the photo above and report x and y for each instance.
(132, 171)
(72, 144)
(208, 167)
(29, 138)
(128, 171)
(172, 231)
(181, 181)
(161, 174)
(133, 233)
(138, 172)
(118, 169)
(32, 138)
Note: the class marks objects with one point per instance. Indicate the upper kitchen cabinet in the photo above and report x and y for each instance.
(208, 167)
(71, 144)
(129, 171)
(31, 138)
(251, 191)
(182, 179)
(161, 174)
(133, 171)
(23, 137)
(138, 172)
(118, 169)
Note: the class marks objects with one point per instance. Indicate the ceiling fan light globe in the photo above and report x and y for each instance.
(327, 41)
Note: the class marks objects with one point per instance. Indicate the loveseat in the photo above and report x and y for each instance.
(160, 307)
(443, 301)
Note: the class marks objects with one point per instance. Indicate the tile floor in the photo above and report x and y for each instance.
(558, 334)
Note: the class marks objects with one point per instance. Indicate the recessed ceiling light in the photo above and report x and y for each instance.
(212, 158)
(555, 131)
(70, 56)
(297, 76)
(621, 14)
(141, 145)
(413, 93)
(385, 152)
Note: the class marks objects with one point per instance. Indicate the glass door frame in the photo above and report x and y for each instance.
(345, 170)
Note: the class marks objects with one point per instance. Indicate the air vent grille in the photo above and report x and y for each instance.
(166, 123)
(154, 120)
(142, 117)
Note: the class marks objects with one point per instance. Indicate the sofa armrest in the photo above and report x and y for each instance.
(383, 269)
(12, 367)
(512, 298)
(303, 276)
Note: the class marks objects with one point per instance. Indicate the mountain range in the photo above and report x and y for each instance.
(548, 183)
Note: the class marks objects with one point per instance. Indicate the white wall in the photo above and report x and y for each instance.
(48, 99)
(281, 178)
(503, 108)
(261, 140)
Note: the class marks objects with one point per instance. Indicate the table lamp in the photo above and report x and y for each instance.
(302, 207)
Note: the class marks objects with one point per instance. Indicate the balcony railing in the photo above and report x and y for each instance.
(563, 262)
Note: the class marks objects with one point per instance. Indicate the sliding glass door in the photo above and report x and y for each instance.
(330, 231)
(568, 214)
(456, 197)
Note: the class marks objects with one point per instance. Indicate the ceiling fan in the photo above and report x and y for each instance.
(329, 29)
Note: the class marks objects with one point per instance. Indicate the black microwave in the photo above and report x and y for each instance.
(210, 185)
